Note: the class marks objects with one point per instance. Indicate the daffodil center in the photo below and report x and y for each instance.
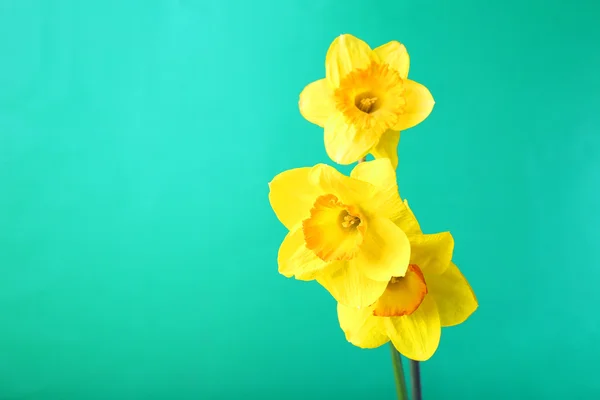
(333, 231)
(349, 221)
(367, 102)
(403, 295)
(371, 99)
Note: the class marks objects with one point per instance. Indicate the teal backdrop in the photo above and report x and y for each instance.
(137, 245)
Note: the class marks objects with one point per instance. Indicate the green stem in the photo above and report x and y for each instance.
(399, 374)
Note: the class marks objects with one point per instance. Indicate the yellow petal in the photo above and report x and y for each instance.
(387, 147)
(379, 173)
(407, 221)
(402, 295)
(295, 258)
(349, 286)
(347, 189)
(416, 336)
(395, 55)
(432, 253)
(334, 231)
(385, 251)
(344, 143)
(316, 102)
(292, 194)
(385, 200)
(361, 328)
(419, 104)
(453, 295)
(346, 53)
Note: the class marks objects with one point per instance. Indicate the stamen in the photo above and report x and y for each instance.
(366, 104)
(350, 220)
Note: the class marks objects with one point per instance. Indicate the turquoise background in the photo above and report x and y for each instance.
(137, 245)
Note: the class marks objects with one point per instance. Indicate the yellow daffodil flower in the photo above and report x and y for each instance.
(343, 231)
(364, 100)
(411, 312)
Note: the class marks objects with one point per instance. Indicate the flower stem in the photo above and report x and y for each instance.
(415, 379)
(399, 374)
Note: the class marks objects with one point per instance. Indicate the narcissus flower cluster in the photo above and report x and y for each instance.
(354, 235)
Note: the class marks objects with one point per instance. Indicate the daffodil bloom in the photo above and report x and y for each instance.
(411, 312)
(343, 231)
(364, 100)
